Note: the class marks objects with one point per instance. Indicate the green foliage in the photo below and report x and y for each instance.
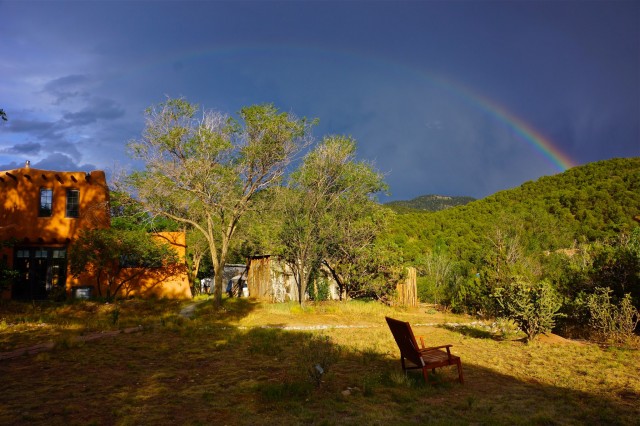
(7, 275)
(617, 265)
(203, 169)
(128, 214)
(574, 229)
(432, 203)
(533, 307)
(612, 321)
(327, 213)
(319, 290)
(106, 252)
(593, 202)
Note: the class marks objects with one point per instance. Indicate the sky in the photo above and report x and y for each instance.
(444, 97)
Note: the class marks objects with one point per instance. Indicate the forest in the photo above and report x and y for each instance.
(571, 237)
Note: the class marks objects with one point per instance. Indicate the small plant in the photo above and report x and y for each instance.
(399, 379)
(504, 328)
(317, 355)
(115, 315)
(614, 322)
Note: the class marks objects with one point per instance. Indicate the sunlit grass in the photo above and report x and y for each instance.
(243, 364)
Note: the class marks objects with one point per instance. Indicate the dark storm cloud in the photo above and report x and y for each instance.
(76, 77)
(46, 131)
(64, 88)
(23, 149)
(11, 166)
(98, 109)
(60, 161)
(30, 126)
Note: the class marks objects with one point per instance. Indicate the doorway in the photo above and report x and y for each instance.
(40, 269)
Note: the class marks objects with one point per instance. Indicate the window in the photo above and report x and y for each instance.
(73, 203)
(46, 200)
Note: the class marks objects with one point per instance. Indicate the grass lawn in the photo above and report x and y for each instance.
(251, 363)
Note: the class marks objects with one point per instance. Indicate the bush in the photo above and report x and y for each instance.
(613, 322)
(319, 290)
(533, 308)
(472, 297)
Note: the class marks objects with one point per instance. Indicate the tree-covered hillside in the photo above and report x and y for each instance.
(431, 203)
(565, 244)
(586, 203)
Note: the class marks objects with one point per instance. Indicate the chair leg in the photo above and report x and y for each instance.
(460, 376)
(425, 373)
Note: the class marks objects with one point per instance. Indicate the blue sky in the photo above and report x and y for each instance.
(453, 98)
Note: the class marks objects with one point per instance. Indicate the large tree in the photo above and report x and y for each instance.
(323, 207)
(204, 168)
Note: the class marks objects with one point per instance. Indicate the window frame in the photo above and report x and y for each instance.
(72, 210)
(43, 206)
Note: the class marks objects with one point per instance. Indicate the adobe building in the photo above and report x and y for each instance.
(41, 213)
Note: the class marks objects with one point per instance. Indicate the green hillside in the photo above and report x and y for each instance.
(432, 203)
(575, 231)
(585, 203)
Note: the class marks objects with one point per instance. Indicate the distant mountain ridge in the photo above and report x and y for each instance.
(432, 203)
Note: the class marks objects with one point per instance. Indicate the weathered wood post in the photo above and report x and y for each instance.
(408, 290)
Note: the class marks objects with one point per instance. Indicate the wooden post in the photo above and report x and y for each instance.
(408, 290)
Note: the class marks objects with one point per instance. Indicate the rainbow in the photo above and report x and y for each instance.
(523, 130)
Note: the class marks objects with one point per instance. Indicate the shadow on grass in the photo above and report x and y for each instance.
(210, 371)
(469, 331)
(231, 310)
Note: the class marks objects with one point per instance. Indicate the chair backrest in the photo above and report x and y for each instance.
(405, 339)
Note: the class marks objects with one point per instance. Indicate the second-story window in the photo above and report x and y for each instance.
(73, 203)
(46, 200)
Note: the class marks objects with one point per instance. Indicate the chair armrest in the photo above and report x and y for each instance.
(436, 347)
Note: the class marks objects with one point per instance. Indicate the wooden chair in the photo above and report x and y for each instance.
(422, 357)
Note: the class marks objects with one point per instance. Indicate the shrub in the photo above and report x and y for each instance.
(319, 290)
(533, 308)
(614, 322)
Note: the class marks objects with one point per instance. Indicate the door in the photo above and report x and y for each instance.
(39, 271)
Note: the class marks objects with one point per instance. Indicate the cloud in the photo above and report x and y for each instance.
(30, 126)
(98, 109)
(67, 87)
(60, 161)
(11, 166)
(29, 148)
